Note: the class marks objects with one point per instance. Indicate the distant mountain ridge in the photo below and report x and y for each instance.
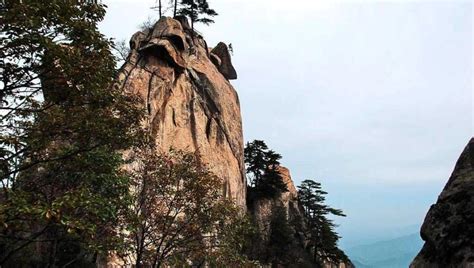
(393, 253)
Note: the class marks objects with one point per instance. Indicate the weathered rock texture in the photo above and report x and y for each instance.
(191, 105)
(261, 209)
(448, 229)
(220, 56)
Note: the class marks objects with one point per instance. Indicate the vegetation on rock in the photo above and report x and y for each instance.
(320, 229)
(178, 214)
(262, 175)
(298, 231)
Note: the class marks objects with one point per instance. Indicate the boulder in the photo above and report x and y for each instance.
(168, 28)
(137, 39)
(225, 68)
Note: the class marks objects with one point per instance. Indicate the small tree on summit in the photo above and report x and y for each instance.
(262, 163)
(197, 11)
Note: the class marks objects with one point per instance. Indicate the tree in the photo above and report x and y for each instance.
(160, 8)
(121, 51)
(147, 25)
(262, 169)
(280, 238)
(62, 124)
(197, 11)
(175, 7)
(178, 213)
(323, 237)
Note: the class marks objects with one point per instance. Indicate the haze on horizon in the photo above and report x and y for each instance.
(371, 98)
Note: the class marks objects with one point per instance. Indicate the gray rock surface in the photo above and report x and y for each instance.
(448, 229)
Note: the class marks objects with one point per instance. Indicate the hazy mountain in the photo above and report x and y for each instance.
(393, 253)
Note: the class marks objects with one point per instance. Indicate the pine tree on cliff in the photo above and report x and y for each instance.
(197, 11)
(261, 164)
(62, 124)
(280, 238)
(160, 8)
(321, 230)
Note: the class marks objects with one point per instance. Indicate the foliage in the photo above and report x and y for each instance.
(178, 214)
(263, 177)
(62, 124)
(197, 11)
(147, 25)
(121, 51)
(280, 238)
(323, 237)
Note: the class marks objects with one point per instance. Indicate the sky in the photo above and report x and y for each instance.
(374, 99)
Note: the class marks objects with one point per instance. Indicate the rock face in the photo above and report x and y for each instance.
(262, 208)
(448, 229)
(191, 105)
(261, 211)
(221, 58)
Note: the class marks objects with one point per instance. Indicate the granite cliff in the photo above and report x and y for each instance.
(448, 231)
(191, 105)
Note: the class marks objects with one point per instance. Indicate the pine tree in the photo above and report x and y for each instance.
(197, 11)
(280, 238)
(321, 230)
(262, 170)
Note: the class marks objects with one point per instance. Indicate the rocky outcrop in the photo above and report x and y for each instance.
(261, 211)
(261, 208)
(448, 229)
(191, 105)
(221, 58)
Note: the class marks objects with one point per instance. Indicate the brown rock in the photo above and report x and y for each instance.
(448, 229)
(191, 106)
(184, 22)
(164, 49)
(262, 208)
(168, 28)
(226, 67)
(137, 39)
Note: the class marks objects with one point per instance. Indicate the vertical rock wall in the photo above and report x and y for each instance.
(191, 104)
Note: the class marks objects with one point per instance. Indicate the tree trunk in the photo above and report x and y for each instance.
(192, 18)
(159, 7)
(175, 8)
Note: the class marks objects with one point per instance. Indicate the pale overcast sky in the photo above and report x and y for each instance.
(372, 98)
